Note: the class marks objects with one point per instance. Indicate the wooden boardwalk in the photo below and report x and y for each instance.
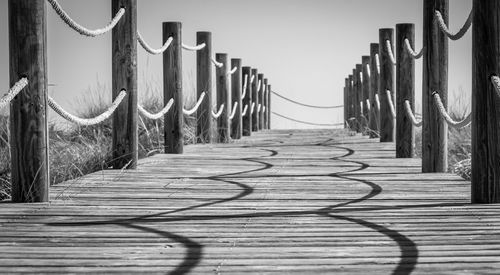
(281, 201)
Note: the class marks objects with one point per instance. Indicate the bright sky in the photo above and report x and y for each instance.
(305, 47)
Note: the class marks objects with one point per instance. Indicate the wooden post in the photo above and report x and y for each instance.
(435, 78)
(366, 93)
(247, 101)
(405, 85)
(260, 95)
(237, 121)
(255, 98)
(350, 95)
(28, 113)
(386, 83)
(204, 84)
(346, 102)
(374, 115)
(269, 91)
(485, 102)
(172, 88)
(223, 128)
(356, 107)
(124, 74)
(359, 99)
(264, 104)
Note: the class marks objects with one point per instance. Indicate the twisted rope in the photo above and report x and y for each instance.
(391, 104)
(411, 51)
(233, 113)
(158, 115)
(87, 121)
(149, 49)
(368, 70)
(219, 113)
(252, 79)
(377, 102)
(232, 71)
(455, 124)
(460, 33)
(368, 105)
(244, 113)
(253, 108)
(307, 105)
(193, 48)
(196, 106)
(410, 114)
(216, 63)
(258, 108)
(259, 87)
(361, 107)
(80, 29)
(495, 80)
(377, 62)
(307, 123)
(9, 96)
(390, 52)
(361, 77)
(245, 85)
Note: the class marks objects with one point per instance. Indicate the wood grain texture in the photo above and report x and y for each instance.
(358, 86)
(351, 111)
(255, 99)
(260, 95)
(124, 76)
(485, 103)
(365, 61)
(204, 84)
(269, 106)
(346, 101)
(405, 87)
(434, 79)
(222, 86)
(28, 112)
(386, 83)
(172, 88)
(236, 89)
(374, 115)
(281, 201)
(247, 101)
(264, 104)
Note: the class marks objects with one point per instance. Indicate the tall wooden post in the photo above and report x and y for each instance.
(247, 101)
(172, 88)
(366, 92)
(346, 102)
(405, 85)
(374, 77)
(386, 83)
(124, 74)
(237, 121)
(356, 107)
(264, 104)
(350, 102)
(359, 99)
(435, 79)
(269, 91)
(204, 84)
(223, 128)
(260, 94)
(28, 113)
(485, 102)
(255, 99)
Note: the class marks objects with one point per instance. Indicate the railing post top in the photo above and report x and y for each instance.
(386, 31)
(405, 25)
(172, 22)
(236, 59)
(255, 71)
(221, 55)
(374, 45)
(359, 66)
(246, 68)
(261, 75)
(204, 33)
(365, 59)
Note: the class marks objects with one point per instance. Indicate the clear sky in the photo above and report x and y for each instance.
(305, 47)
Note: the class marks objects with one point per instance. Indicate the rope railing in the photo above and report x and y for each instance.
(451, 122)
(80, 29)
(368, 71)
(368, 107)
(219, 113)
(216, 63)
(87, 121)
(377, 62)
(158, 115)
(233, 112)
(193, 48)
(411, 51)
(410, 115)
(259, 88)
(391, 104)
(232, 71)
(258, 108)
(15, 90)
(444, 28)
(390, 52)
(245, 86)
(361, 76)
(306, 122)
(306, 105)
(252, 79)
(377, 102)
(151, 50)
(196, 106)
(252, 108)
(495, 80)
(244, 113)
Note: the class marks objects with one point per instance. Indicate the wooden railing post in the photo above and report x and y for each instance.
(374, 115)
(124, 76)
(223, 128)
(28, 113)
(485, 102)
(247, 101)
(236, 87)
(435, 79)
(366, 93)
(264, 104)
(172, 88)
(204, 84)
(346, 102)
(405, 85)
(260, 93)
(386, 83)
(269, 91)
(255, 99)
(355, 106)
(359, 99)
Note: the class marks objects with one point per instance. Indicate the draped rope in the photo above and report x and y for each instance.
(361, 77)
(219, 113)
(258, 108)
(259, 87)
(411, 116)
(307, 123)
(446, 30)
(307, 105)
(377, 102)
(232, 71)
(377, 62)
(368, 105)
(244, 113)
(495, 80)
(80, 29)
(253, 108)
(390, 52)
(216, 63)
(245, 85)
(149, 49)
(15, 90)
(158, 115)
(233, 113)
(87, 121)
(368, 70)
(196, 106)
(252, 79)
(411, 51)
(391, 104)
(193, 48)
(361, 107)
(442, 110)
